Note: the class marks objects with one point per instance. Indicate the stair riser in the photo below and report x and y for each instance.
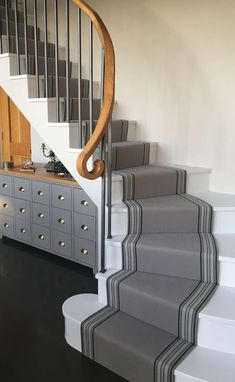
(223, 221)
(227, 274)
(217, 335)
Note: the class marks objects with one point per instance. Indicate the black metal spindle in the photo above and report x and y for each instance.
(67, 62)
(36, 46)
(80, 132)
(56, 61)
(26, 37)
(91, 53)
(7, 25)
(17, 37)
(103, 208)
(46, 47)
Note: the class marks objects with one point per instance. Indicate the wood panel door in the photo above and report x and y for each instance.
(15, 132)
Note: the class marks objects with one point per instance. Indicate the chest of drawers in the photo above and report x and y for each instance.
(55, 217)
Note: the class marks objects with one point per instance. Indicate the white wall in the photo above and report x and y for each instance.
(176, 77)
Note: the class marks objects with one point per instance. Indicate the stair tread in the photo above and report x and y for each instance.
(207, 365)
(154, 298)
(130, 345)
(220, 307)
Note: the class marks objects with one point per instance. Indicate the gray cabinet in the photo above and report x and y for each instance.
(54, 217)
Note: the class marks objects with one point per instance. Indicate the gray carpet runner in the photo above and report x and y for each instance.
(169, 273)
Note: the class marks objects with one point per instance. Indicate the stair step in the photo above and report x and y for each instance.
(204, 365)
(155, 299)
(62, 87)
(12, 29)
(129, 154)
(41, 66)
(176, 254)
(216, 328)
(129, 346)
(31, 47)
(226, 254)
(11, 13)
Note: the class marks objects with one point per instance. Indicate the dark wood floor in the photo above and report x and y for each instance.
(33, 287)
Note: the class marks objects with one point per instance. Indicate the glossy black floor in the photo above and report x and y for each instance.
(33, 286)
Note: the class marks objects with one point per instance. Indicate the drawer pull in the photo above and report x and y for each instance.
(84, 203)
(41, 237)
(41, 216)
(23, 230)
(61, 197)
(61, 243)
(22, 210)
(61, 221)
(84, 252)
(21, 189)
(5, 205)
(6, 225)
(40, 193)
(84, 227)
(5, 185)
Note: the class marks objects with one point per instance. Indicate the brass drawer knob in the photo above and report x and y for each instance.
(6, 225)
(5, 185)
(40, 193)
(61, 221)
(61, 197)
(41, 216)
(5, 205)
(84, 203)
(41, 237)
(21, 189)
(84, 252)
(23, 230)
(22, 210)
(61, 243)
(84, 227)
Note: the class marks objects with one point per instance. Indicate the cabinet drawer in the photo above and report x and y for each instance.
(22, 188)
(85, 251)
(23, 230)
(62, 220)
(41, 192)
(41, 236)
(6, 205)
(7, 225)
(83, 204)
(62, 243)
(41, 214)
(61, 197)
(85, 226)
(22, 210)
(6, 185)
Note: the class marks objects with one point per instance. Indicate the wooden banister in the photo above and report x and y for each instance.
(108, 101)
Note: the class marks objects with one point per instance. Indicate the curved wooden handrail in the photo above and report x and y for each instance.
(108, 101)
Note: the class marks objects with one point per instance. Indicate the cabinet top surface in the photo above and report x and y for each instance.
(39, 174)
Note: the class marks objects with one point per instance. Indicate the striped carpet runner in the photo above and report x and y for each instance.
(169, 273)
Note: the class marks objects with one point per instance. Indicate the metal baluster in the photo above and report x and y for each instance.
(26, 38)
(67, 63)
(56, 61)
(103, 208)
(91, 76)
(36, 46)
(46, 47)
(17, 38)
(80, 132)
(109, 179)
(7, 25)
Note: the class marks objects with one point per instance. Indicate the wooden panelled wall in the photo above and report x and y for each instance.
(15, 132)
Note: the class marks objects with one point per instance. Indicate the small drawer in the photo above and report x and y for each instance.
(6, 185)
(85, 251)
(85, 226)
(22, 209)
(83, 204)
(7, 206)
(23, 230)
(22, 188)
(7, 225)
(41, 237)
(61, 197)
(41, 214)
(62, 243)
(62, 220)
(41, 192)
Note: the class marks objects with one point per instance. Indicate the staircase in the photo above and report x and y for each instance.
(159, 315)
